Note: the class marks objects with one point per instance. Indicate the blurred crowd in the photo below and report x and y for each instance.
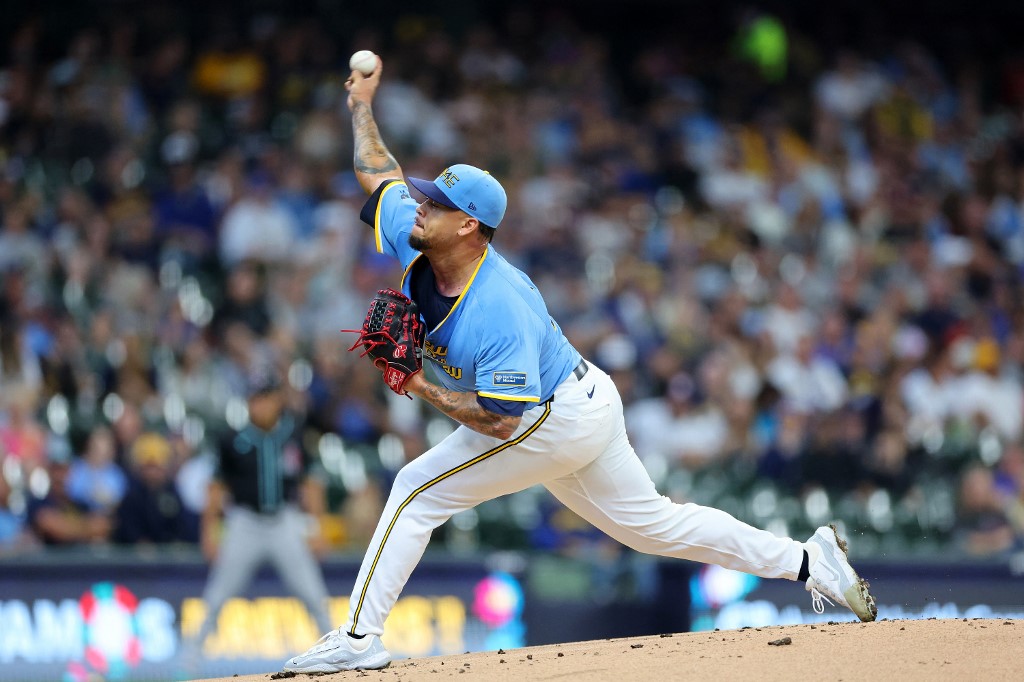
(801, 265)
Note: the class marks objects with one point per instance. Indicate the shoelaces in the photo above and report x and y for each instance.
(818, 600)
(328, 641)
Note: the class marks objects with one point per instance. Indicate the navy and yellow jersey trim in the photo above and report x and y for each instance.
(383, 189)
(505, 396)
(434, 481)
(408, 269)
(462, 296)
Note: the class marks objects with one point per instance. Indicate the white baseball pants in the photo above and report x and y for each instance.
(576, 446)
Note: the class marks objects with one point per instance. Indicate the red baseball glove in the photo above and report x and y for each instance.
(392, 335)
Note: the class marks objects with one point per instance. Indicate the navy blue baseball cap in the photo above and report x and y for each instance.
(468, 189)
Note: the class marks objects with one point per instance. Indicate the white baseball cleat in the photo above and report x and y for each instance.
(832, 577)
(336, 651)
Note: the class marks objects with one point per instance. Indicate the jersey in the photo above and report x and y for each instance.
(434, 308)
(498, 340)
(263, 469)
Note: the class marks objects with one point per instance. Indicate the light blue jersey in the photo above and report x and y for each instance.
(498, 340)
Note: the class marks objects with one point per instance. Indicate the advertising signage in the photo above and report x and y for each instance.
(126, 621)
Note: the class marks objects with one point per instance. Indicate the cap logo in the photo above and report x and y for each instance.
(472, 206)
(448, 178)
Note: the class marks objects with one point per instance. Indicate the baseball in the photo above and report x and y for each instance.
(363, 61)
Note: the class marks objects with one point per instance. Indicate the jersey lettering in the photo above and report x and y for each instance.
(439, 354)
(435, 352)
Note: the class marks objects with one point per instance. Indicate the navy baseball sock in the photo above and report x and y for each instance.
(805, 569)
(355, 636)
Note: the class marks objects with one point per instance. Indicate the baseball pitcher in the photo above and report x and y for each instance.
(531, 409)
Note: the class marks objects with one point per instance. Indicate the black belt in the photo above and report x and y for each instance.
(581, 369)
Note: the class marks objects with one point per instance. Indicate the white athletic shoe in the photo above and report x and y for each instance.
(336, 651)
(832, 577)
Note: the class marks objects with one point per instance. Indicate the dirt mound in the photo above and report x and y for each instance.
(907, 650)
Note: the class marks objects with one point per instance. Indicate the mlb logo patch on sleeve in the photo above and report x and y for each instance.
(509, 378)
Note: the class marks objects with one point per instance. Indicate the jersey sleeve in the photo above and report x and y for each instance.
(507, 366)
(508, 408)
(390, 211)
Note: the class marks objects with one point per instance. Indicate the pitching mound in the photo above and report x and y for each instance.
(905, 649)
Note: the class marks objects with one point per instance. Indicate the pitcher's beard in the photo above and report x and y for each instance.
(419, 243)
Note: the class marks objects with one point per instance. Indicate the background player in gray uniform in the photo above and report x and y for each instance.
(262, 472)
(532, 412)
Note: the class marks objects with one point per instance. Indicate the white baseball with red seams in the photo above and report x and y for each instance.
(363, 61)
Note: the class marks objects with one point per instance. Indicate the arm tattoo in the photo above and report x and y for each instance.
(371, 156)
(463, 408)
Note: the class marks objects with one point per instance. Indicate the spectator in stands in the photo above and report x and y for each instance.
(96, 480)
(196, 379)
(237, 348)
(360, 416)
(939, 316)
(22, 437)
(836, 451)
(256, 226)
(787, 321)
(152, 511)
(14, 532)
(19, 363)
(850, 90)
(988, 397)
(983, 528)
(929, 392)
(56, 518)
(1009, 484)
(245, 299)
(730, 186)
(20, 245)
(808, 383)
(890, 465)
(128, 426)
(186, 221)
(681, 428)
